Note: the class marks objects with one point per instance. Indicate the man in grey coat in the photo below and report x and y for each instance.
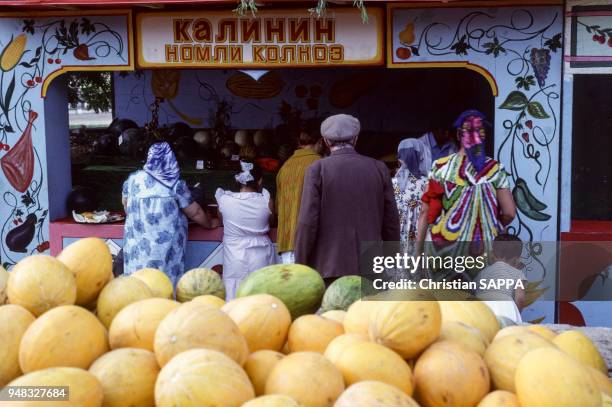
(347, 199)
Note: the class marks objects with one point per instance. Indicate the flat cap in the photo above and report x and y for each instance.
(340, 127)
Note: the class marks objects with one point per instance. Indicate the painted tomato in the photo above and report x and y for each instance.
(403, 53)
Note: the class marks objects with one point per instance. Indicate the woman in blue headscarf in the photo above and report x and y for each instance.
(157, 204)
(409, 184)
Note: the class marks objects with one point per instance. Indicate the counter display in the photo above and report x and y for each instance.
(204, 247)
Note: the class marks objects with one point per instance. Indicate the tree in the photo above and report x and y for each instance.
(94, 89)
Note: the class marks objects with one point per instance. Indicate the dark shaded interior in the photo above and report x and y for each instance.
(591, 163)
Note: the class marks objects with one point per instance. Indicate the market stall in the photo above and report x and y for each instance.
(213, 117)
(197, 68)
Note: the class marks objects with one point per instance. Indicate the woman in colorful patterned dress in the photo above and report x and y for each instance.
(157, 204)
(468, 198)
(409, 184)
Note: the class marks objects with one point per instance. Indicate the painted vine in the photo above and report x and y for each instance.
(25, 60)
(527, 136)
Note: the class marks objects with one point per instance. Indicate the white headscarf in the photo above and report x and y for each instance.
(412, 155)
(245, 176)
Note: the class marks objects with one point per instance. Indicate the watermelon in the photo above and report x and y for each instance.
(300, 287)
(342, 293)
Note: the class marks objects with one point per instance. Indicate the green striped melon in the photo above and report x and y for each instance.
(197, 282)
(342, 293)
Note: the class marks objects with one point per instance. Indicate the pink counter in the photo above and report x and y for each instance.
(68, 228)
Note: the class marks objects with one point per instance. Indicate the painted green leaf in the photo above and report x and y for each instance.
(537, 110)
(515, 101)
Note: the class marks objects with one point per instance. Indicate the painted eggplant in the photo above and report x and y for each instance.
(18, 239)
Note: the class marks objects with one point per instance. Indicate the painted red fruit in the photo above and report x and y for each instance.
(529, 124)
(57, 61)
(50, 60)
(403, 53)
(30, 83)
(610, 42)
(38, 79)
(82, 53)
(6, 147)
(43, 247)
(526, 137)
(602, 39)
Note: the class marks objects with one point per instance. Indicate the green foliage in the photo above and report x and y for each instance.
(94, 89)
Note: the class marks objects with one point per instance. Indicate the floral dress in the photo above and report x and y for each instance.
(155, 232)
(409, 206)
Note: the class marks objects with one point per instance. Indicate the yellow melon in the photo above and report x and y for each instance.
(370, 361)
(259, 365)
(407, 327)
(199, 281)
(91, 262)
(67, 336)
(449, 374)
(193, 325)
(210, 300)
(504, 355)
(308, 377)
(464, 334)
(118, 294)
(84, 389)
(264, 320)
(312, 333)
(3, 281)
(513, 330)
(602, 380)
(547, 377)
(39, 283)
(374, 394)
(499, 398)
(472, 313)
(340, 343)
(579, 346)
(157, 281)
(542, 331)
(337, 315)
(273, 400)
(519, 329)
(127, 376)
(357, 317)
(202, 377)
(135, 325)
(14, 320)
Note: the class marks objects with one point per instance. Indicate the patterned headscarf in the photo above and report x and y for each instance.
(411, 153)
(471, 127)
(245, 176)
(161, 164)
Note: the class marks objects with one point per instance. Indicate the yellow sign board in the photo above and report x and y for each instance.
(272, 38)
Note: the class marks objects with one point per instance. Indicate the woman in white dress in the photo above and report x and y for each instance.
(246, 217)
